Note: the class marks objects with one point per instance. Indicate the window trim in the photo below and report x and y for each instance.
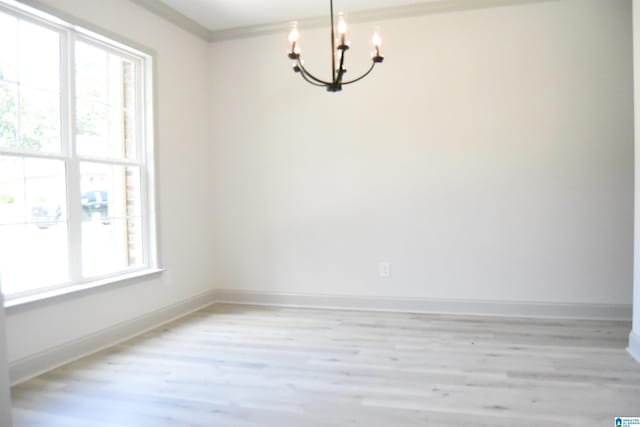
(145, 110)
(78, 288)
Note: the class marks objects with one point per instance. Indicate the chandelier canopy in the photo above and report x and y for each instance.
(337, 73)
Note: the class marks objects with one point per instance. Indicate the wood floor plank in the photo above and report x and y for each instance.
(244, 366)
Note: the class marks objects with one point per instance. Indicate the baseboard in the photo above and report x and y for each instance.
(634, 346)
(425, 305)
(34, 365)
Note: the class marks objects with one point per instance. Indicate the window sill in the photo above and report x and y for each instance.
(77, 289)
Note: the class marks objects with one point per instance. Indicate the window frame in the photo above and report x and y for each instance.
(144, 142)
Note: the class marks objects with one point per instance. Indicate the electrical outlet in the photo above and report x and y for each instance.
(385, 269)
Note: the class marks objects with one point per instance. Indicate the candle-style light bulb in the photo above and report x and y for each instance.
(342, 26)
(293, 39)
(293, 35)
(342, 29)
(377, 42)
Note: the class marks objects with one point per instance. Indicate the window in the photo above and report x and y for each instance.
(75, 158)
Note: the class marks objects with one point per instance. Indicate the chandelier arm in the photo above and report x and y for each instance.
(311, 76)
(308, 80)
(373, 64)
(338, 80)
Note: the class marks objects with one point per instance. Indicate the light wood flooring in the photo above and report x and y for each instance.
(247, 366)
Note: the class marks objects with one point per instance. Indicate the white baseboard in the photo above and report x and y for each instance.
(39, 363)
(634, 345)
(426, 305)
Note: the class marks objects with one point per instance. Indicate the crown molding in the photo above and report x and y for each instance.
(396, 12)
(406, 11)
(170, 14)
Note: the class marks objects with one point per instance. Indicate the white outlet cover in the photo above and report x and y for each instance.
(385, 269)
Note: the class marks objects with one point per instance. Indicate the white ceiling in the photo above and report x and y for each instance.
(218, 15)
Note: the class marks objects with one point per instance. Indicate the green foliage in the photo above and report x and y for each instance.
(31, 137)
(39, 116)
(6, 198)
(89, 118)
(8, 117)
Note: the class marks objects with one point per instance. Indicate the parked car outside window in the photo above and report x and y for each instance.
(96, 204)
(46, 216)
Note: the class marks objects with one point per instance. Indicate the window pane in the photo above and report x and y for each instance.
(111, 206)
(30, 104)
(104, 77)
(32, 191)
(109, 247)
(110, 191)
(38, 127)
(39, 57)
(8, 48)
(102, 132)
(33, 228)
(8, 115)
(32, 257)
(105, 118)
(39, 120)
(13, 207)
(91, 73)
(45, 191)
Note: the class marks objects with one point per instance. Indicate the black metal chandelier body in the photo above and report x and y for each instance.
(337, 73)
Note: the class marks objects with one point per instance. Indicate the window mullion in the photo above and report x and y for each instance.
(73, 165)
(109, 161)
(18, 90)
(142, 155)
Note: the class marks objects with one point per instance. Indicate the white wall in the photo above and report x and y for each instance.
(183, 175)
(489, 158)
(5, 396)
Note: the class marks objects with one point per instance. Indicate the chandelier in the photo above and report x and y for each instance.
(337, 73)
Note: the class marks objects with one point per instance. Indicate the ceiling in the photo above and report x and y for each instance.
(215, 20)
(219, 15)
